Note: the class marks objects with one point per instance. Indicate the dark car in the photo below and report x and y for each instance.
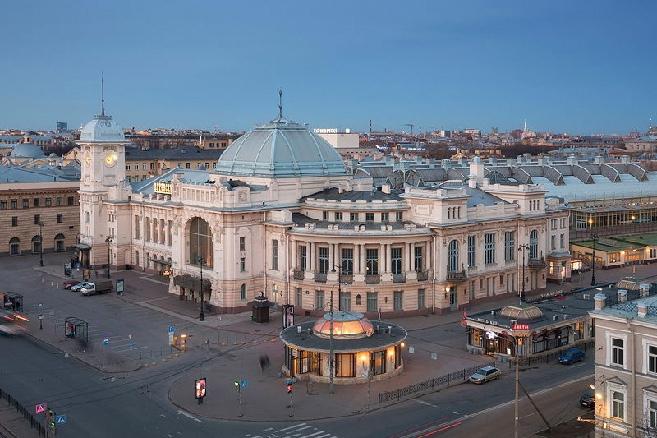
(587, 399)
(571, 356)
(70, 283)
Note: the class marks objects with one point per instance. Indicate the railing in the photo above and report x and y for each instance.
(433, 384)
(399, 278)
(372, 279)
(456, 276)
(320, 278)
(422, 275)
(35, 423)
(298, 274)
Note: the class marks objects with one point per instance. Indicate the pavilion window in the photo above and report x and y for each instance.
(378, 362)
(345, 365)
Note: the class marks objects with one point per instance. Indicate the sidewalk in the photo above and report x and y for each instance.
(13, 424)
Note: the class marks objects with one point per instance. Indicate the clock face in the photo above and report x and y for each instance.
(110, 159)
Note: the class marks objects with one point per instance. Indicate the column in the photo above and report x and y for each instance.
(362, 256)
(331, 256)
(383, 259)
(410, 261)
(310, 256)
(294, 263)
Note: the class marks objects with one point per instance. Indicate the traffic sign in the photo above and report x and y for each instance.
(171, 329)
(40, 408)
(244, 383)
(61, 419)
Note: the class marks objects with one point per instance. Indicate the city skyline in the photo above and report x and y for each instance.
(564, 67)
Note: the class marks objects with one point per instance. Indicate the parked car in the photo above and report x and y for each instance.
(84, 284)
(99, 287)
(587, 399)
(70, 283)
(485, 374)
(571, 356)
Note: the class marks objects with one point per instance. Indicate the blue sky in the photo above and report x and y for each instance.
(572, 66)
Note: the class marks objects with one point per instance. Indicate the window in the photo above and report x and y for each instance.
(297, 297)
(553, 242)
(187, 166)
(397, 299)
(396, 259)
(400, 216)
(200, 241)
(372, 301)
(421, 302)
(325, 215)
(26, 203)
(617, 351)
(60, 218)
(302, 257)
(554, 224)
(243, 292)
(372, 261)
(242, 243)
(419, 262)
(561, 241)
(3, 205)
(533, 244)
(385, 217)
(453, 256)
(137, 228)
(472, 254)
(59, 201)
(369, 217)
(70, 200)
(13, 204)
(378, 362)
(617, 405)
(652, 414)
(359, 299)
(242, 264)
(36, 202)
(347, 264)
(323, 259)
(86, 217)
(652, 359)
(338, 216)
(48, 202)
(489, 248)
(274, 255)
(345, 365)
(353, 217)
(37, 219)
(14, 221)
(509, 246)
(319, 300)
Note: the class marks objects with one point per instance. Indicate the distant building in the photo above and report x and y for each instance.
(169, 139)
(62, 127)
(143, 164)
(339, 139)
(645, 144)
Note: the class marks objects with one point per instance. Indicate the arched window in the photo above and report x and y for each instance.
(533, 244)
(200, 242)
(36, 244)
(15, 246)
(60, 243)
(243, 292)
(136, 258)
(358, 299)
(453, 256)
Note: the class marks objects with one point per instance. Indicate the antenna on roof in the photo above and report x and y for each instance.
(280, 103)
(102, 94)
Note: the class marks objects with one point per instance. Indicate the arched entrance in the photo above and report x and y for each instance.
(15, 246)
(60, 245)
(36, 245)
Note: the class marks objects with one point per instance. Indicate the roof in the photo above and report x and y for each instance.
(334, 194)
(26, 150)
(146, 186)
(280, 148)
(172, 154)
(477, 196)
(102, 129)
(16, 174)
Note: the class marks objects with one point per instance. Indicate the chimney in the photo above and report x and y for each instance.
(385, 189)
(644, 289)
(599, 301)
(622, 295)
(642, 309)
(472, 183)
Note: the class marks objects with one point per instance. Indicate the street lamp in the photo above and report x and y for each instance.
(201, 315)
(523, 248)
(40, 243)
(594, 237)
(331, 352)
(109, 261)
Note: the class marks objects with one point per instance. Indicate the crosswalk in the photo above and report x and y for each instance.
(301, 430)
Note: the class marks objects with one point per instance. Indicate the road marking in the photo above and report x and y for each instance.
(292, 427)
(188, 415)
(425, 403)
(314, 434)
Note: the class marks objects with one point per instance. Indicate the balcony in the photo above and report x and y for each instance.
(399, 278)
(536, 263)
(346, 278)
(422, 275)
(456, 276)
(373, 279)
(320, 278)
(298, 274)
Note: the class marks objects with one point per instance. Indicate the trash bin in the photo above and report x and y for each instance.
(261, 309)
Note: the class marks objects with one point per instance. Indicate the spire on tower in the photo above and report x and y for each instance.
(102, 94)
(280, 103)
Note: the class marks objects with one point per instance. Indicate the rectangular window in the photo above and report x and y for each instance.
(509, 246)
(472, 251)
(297, 297)
(137, 228)
(400, 216)
(561, 241)
(325, 215)
(319, 300)
(554, 224)
(14, 221)
(421, 301)
(274, 255)
(70, 200)
(338, 216)
(372, 301)
(242, 243)
(617, 405)
(13, 204)
(323, 259)
(553, 242)
(26, 203)
(397, 300)
(378, 362)
(652, 413)
(384, 217)
(372, 261)
(60, 218)
(652, 359)
(242, 264)
(345, 365)
(48, 202)
(59, 201)
(3, 205)
(37, 219)
(617, 351)
(489, 248)
(396, 259)
(302, 257)
(187, 166)
(36, 202)
(369, 217)
(347, 261)
(353, 217)
(419, 259)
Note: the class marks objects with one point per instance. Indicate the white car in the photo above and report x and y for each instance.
(84, 284)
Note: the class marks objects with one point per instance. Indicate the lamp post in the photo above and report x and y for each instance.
(331, 352)
(594, 237)
(201, 315)
(339, 284)
(523, 248)
(109, 261)
(40, 243)
(517, 343)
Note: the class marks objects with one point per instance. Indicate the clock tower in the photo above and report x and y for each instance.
(102, 173)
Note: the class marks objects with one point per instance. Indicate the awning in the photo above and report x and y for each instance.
(189, 282)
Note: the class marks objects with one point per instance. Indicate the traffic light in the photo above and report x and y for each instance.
(238, 387)
(289, 389)
(50, 419)
(199, 388)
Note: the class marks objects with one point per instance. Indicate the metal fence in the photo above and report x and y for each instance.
(554, 354)
(35, 423)
(435, 383)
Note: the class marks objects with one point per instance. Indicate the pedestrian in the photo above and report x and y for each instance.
(262, 364)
